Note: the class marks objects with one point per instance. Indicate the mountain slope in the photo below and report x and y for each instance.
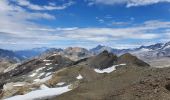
(124, 77)
(56, 69)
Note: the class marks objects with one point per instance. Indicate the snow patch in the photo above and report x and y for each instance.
(43, 80)
(18, 85)
(43, 94)
(79, 77)
(60, 83)
(45, 60)
(47, 64)
(108, 70)
(36, 80)
(48, 74)
(54, 54)
(50, 68)
(40, 69)
(33, 74)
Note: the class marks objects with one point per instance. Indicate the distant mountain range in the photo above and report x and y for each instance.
(31, 52)
(75, 53)
(9, 55)
(143, 52)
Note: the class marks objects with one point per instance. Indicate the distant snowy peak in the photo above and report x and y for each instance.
(166, 46)
(100, 48)
(152, 47)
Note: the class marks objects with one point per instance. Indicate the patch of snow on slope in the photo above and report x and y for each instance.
(108, 70)
(47, 64)
(79, 77)
(18, 85)
(50, 68)
(60, 83)
(44, 79)
(54, 54)
(40, 69)
(43, 94)
(48, 74)
(46, 60)
(33, 74)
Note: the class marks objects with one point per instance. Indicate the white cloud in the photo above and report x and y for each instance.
(128, 3)
(145, 31)
(51, 6)
(120, 23)
(17, 31)
(14, 23)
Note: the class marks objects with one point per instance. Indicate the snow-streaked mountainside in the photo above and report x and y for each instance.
(55, 74)
(152, 54)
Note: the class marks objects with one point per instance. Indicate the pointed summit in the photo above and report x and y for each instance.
(103, 60)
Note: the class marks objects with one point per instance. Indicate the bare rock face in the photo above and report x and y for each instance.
(131, 60)
(102, 61)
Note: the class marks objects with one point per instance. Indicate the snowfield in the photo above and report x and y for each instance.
(108, 70)
(44, 93)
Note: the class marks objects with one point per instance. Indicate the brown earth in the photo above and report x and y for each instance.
(126, 83)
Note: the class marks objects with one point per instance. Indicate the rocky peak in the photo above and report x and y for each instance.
(103, 60)
(101, 48)
(131, 60)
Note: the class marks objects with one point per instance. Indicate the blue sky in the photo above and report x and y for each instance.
(28, 24)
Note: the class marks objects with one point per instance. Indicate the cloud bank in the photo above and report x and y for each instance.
(128, 3)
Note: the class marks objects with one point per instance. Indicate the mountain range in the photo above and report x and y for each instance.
(146, 53)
